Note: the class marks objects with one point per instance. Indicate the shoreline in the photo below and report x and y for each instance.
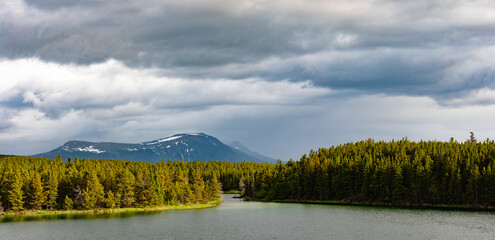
(35, 213)
(467, 208)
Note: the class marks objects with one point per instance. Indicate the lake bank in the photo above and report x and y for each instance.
(388, 205)
(109, 210)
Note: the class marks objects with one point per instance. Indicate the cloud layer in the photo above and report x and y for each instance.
(52, 103)
(106, 100)
(297, 74)
(422, 48)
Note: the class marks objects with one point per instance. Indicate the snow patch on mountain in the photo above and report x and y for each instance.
(190, 147)
(89, 149)
(165, 140)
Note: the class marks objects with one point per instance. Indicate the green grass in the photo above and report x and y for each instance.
(113, 210)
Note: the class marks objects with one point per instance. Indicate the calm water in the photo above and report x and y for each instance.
(252, 220)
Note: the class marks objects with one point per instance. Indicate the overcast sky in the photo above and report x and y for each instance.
(280, 76)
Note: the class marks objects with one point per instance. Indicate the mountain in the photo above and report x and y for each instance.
(189, 147)
(239, 146)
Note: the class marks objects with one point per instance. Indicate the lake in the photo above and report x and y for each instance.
(236, 219)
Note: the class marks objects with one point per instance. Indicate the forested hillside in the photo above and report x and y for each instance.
(398, 172)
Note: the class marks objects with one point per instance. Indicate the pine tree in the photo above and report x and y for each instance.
(94, 186)
(15, 193)
(89, 199)
(125, 187)
(198, 188)
(166, 184)
(36, 196)
(68, 203)
(472, 188)
(51, 190)
(111, 199)
(154, 198)
(188, 194)
(141, 189)
(472, 139)
(397, 186)
(215, 187)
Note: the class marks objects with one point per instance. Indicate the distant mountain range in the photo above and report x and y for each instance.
(189, 147)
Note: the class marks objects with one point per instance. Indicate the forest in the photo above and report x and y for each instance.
(28, 183)
(401, 173)
(394, 173)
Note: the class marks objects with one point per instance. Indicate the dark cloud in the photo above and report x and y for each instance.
(385, 46)
(52, 4)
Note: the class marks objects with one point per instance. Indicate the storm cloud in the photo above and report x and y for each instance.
(381, 46)
(249, 69)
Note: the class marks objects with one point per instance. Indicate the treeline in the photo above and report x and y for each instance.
(397, 172)
(28, 183)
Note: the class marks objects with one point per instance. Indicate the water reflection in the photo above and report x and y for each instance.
(236, 219)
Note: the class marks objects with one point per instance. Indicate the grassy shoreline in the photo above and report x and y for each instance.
(111, 210)
(387, 205)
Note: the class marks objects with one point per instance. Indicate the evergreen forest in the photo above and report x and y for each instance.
(394, 173)
(402, 173)
(28, 183)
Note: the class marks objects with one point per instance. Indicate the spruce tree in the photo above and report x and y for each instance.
(215, 187)
(125, 188)
(15, 193)
(111, 200)
(141, 190)
(68, 203)
(94, 186)
(198, 188)
(51, 190)
(89, 199)
(36, 196)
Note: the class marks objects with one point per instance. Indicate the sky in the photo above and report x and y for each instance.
(281, 76)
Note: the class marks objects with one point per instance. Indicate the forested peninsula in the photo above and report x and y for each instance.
(34, 184)
(399, 173)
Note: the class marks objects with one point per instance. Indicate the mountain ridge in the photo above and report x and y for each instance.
(190, 147)
(241, 147)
